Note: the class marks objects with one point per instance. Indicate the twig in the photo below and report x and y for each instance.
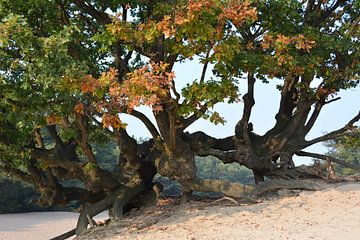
(226, 198)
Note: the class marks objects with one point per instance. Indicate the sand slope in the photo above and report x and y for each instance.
(333, 213)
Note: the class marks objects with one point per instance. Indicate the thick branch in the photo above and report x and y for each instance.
(249, 192)
(200, 140)
(327, 158)
(101, 17)
(52, 160)
(224, 156)
(284, 184)
(18, 174)
(316, 112)
(149, 125)
(83, 142)
(176, 93)
(241, 129)
(54, 135)
(287, 104)
(126, 194)
(127, 146)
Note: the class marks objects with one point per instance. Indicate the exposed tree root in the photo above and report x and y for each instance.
(284, 184)
(65, 235)
(230, 189)
(90, 210)
(225, 198)
(248, 192)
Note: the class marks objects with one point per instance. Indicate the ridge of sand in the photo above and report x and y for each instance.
(333, 213)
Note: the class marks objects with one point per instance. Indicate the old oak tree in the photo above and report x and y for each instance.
(68, 68)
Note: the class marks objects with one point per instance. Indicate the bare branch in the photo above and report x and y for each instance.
(332, 100)
(198, 114)
(203, 74)
(124, 14)
(149, 125)
(316, 113)
(333, 134)
(127, 146)
(66, 235)
(102, 17)
(314, 116)
(327, 158)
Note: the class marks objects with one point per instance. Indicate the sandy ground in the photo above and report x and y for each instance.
(330, 214)
(333, 213)
(37, 225)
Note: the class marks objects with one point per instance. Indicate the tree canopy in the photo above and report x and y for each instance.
(68, 68)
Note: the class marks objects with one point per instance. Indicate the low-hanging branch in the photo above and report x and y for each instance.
(14, 172)
(333, 134)
(224, 156)
(328, 158)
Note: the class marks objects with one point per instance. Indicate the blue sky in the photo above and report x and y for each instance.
(333, 116)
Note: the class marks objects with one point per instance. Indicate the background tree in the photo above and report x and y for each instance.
(346, 148)
(71, 67)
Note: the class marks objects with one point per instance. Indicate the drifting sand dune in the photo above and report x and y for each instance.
(333, 213)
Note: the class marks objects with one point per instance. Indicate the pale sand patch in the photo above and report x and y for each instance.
(37, 225)
(325, 215)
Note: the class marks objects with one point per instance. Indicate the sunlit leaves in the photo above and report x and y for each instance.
(238, 12)
(209, 93)
(144, 86)
(187, 28)
(79, 108)
(113, 121)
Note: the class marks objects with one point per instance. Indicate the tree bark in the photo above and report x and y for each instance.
(124, 193)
